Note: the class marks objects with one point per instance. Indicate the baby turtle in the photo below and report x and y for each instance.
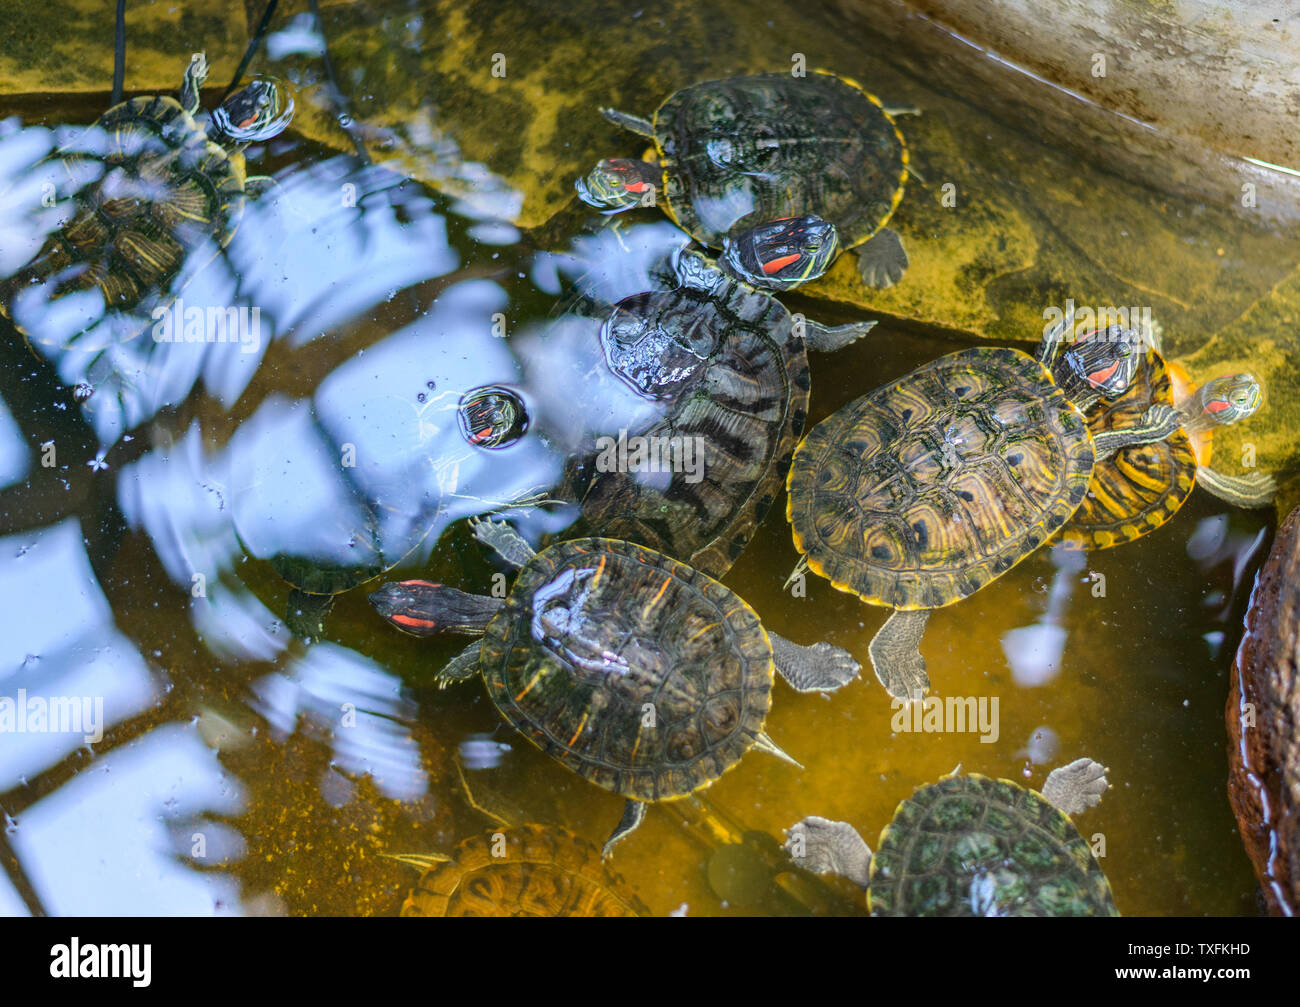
(727, 366)
(973, 846)
(157, 187)
(1142, 486)
(742, 158)
(530, 870)
(927, 489)
(639, 673)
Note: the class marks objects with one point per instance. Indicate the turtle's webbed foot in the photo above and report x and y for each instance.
(1076, 787)
(882, 261)
(824, 846)
(503, 540)
(822, 667)
(896, 654)
(826, 339)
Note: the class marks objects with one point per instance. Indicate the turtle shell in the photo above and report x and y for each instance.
(923, 491)
(975, 846)
(1142, 486)
(151, 188)
(779, 146)
(733, 384)
(636, 671)
(528, 871)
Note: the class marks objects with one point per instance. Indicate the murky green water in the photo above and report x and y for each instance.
(243, 770)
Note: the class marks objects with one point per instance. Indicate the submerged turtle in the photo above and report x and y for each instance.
(158, 186)
(637, 672)
(738, 157)
(973, 846)
(1143, 485)
(727, 366)
(927, 489)
(530, 870)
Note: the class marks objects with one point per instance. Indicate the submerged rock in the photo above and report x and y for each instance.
(1262, 714)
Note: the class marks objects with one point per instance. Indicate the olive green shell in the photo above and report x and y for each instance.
(779, 146)
(743, 408)
(1140, 487)
(923, 491)
(543, 872)
(637, 672)
(161, 191)
(975, 846)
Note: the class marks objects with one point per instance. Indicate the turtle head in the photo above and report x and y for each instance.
(617, 183)
(257, 112)
(1229, 398)
(780, 254)
(1102, 363)
(492, 417)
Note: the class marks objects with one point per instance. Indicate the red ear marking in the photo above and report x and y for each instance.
(1104, 375)
(1217, 406)
(410, 620)
(249, 121)
(779, 263)
(636, 186)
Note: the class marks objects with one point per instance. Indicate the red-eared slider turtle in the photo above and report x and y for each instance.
(737, 157)
(973, 846)
(637, 672)
(530, 870)
(726, 366)
(153, 186)
(1140, 487)
(1143, 485)
(925, 490)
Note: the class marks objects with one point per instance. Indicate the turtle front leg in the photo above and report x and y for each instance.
(1157, 423)
(422, 608)
(1076, 787)
(822, 667)
(633, 812)
(828, 338)
(824, 846)
(882, 261)
(1250, 491)
(503, 540)
(461, 668)
(896, 654)
(636, 124)
(195, 74)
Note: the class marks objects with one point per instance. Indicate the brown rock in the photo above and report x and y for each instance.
(1262, 713)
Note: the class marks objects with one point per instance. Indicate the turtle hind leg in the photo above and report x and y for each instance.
(503, 540)
(822, 667)
(636, 124)
(824, 846)
(1254, 490)
(765, 744)
(422, 608)
(826, 338)
(633, 812)
(896, 654)
(882, 261)
(1076, 787)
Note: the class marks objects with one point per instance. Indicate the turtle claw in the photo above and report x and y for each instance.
(502, 539)
(882, 261)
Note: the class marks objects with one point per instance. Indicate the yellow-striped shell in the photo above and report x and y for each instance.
(923, 491)
(1142, 486)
